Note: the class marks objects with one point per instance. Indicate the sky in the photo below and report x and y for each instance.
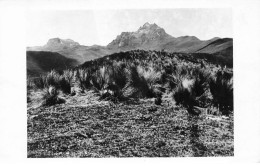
(89, 27)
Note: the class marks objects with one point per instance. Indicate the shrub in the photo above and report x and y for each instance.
(118, 75)
(44, 81)
(65, 81)
(52, 79)
(221, 88)
(100, 79)
(142, 82)
(152, 79)
(83, 77)
(134, 82)
(29, 83)
(64, 84)
(68, 75)
(184, 94)
(40, 82)
(118, 80)
(158, 100)
(50, 97)
(109, 82)
(191, 88)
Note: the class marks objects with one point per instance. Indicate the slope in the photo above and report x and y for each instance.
(39, 62)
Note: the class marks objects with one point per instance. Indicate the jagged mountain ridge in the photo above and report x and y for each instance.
(147, 37)
(153, 37)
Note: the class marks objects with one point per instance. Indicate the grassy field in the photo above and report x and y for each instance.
(133, 104)
(87, 127)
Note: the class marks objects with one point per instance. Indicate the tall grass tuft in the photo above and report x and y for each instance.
(83, 77)
(65, 81)
(100, 79)
(191, 88)
(52, 79)
(142, 82)
(152, 79)
(118, 80)
(221, 88)
(40, 82)
(61, 82)
(50, 97)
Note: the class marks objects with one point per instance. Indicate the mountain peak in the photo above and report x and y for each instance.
(149, 26)
(61, 42)
(143, 37)
(152, 30)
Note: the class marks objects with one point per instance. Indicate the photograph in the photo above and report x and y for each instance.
(130, 83)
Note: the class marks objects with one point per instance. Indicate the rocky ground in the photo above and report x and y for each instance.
(87, 127)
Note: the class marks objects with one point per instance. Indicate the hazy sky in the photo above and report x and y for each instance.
(100, 27)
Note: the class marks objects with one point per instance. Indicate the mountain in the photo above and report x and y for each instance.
(147, 37)
(40, 62)
(71, 49)
(153, 37)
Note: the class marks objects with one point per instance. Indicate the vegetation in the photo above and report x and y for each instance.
(221, 87)
(147, 74)
(175, 84)
(50, 97)
(61, 82)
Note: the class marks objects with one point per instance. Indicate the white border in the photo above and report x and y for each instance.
(246, 24)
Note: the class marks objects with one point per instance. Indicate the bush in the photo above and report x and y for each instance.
(141, 82)
(64, 81)
(50, 97)
(109, 82)
(52, 79)
(29, 83)
(118, 75)
(158, 100)
(64, 85)
(100, 79)
(83, 77)
(153, 79)
(39, 83)
(184, 93)
(118, 80)
(221, 88)
(191, 88)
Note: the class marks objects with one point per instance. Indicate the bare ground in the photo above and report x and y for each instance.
(87, 127)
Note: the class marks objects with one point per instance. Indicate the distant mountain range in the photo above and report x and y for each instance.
(153, 37)
(147, 37)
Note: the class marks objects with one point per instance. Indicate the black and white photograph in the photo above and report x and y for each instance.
(129, 82)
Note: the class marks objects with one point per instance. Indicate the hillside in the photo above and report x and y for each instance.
(222, 46)
(40, 62)
(133, 104)
(216, 59)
